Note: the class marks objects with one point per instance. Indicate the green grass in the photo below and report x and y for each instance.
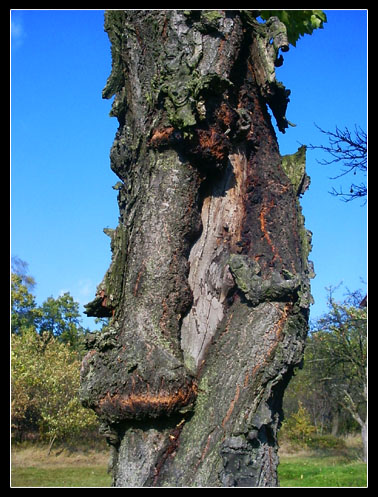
(324, 471)
(92, 476)
(32, 466)
(292, 471)
(83, 466)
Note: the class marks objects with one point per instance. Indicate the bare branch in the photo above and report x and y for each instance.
(350, 150)
(350, 406)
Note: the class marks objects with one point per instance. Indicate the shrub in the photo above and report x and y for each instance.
(322, 442)
(45, 384)
(297, 427)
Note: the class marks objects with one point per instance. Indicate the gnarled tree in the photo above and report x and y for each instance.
(208, 289)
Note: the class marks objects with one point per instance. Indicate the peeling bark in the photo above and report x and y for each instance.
(208, 289)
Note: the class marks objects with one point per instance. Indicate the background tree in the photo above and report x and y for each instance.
(332, 383)
(305, 389)
(58, 317)
(21, 268)
(341, 348)
(61, 318)
(24, 310)
(208, 288)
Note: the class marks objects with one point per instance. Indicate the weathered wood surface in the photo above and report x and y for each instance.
(208, 289)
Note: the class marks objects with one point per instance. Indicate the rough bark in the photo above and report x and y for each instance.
(208, 288)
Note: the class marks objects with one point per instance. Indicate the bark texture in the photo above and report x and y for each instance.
(208, 289)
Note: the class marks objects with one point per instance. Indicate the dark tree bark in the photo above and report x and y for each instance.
(208, 288)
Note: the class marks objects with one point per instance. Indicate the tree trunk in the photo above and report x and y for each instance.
(364, 440)
(208, 288)
(335, 423)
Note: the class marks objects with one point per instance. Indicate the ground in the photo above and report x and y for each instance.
(87, 467)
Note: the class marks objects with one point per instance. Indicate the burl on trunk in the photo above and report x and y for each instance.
(208, 289)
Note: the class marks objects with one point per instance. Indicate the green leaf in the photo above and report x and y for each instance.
(297, 22)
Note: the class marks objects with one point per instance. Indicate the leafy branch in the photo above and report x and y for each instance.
(297, 22)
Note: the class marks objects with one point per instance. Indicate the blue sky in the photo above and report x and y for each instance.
(61, 134)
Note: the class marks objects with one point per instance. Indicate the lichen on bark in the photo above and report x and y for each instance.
(208, 289)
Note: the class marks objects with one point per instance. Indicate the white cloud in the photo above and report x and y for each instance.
(17, 31)
(86, 289)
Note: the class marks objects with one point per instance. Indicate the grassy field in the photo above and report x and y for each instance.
(325, 471)
(33, 467)
(66, 476)
(342, 467)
